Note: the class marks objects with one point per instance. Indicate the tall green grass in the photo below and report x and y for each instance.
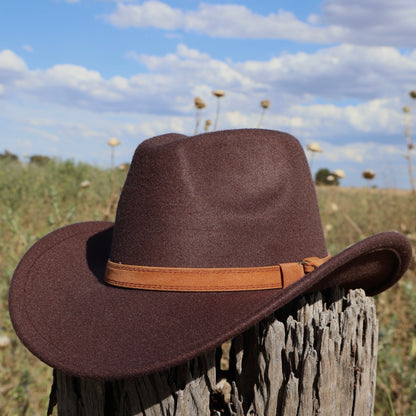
(35, 200)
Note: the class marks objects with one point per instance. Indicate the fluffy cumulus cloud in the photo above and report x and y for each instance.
(339, 72)
(360, 152)
(347, 94)
(352, 22)
(376, 119)
(220, 20)
(296, 84)
(12, 67)
(235, 21)
(149, 14)
(371, 22)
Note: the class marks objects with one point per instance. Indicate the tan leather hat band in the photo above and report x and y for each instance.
(209, 279)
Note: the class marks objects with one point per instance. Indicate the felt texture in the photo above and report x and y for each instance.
(239, 198)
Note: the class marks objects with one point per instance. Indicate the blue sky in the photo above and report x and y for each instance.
(75, 73)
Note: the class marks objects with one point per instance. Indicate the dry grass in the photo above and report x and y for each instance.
(37, 200)
(349, 215)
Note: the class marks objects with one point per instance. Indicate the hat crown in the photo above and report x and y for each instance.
(237, 198)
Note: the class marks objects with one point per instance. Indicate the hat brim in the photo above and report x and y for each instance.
(68, 317)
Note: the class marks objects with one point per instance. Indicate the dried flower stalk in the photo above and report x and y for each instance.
(408, 123)
(218, 94)
(265, 104)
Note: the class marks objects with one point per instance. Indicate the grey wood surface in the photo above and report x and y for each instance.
(316, 356)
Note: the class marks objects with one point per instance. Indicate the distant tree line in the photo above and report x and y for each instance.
(35, 159)
(7, 156)
(326, 177)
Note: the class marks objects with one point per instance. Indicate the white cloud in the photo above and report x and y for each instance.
(358, 152)
(236, 21)
(371, 22)
(77, 75)
(151, 126)
(354, 157)
(149, 14)
(339, 72)
(25, 145)
(27, 48)
(349, 22)
(76, 129)
(378, 116)
(367, 81)
(11, 63)
(12, 69)
(220, 20)
(44, 134)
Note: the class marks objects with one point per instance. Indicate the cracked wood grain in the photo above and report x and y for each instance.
(316, 356)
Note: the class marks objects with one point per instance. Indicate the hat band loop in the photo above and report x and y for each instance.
(196, 279)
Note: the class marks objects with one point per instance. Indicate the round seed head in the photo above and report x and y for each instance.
(339, 173)
(333, 208)
(412, 94)
(406, 109)
(369, 174)
(113, 142)
(314, 147)
(265, 103)
(85, 184)
(329, 227)
(4, 341)
(219, 93)
(199, 104)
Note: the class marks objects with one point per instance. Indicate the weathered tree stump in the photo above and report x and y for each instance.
(316, 356)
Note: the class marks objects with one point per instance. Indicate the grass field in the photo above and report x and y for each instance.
(38, 199)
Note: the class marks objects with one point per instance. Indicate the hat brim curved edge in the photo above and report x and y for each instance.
(66, 315)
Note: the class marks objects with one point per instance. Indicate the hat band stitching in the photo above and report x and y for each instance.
(209, 279)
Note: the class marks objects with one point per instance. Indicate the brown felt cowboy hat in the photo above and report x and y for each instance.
(212, 234)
